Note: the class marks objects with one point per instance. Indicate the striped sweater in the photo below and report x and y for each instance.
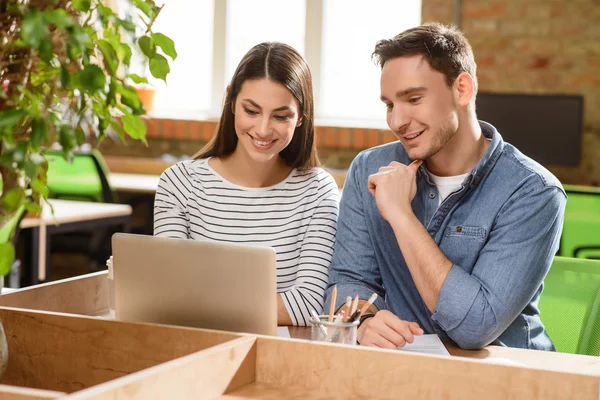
(297, 217)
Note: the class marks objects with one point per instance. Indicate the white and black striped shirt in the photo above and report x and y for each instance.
(296, 217)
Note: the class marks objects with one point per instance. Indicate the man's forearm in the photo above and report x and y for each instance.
(428, 266)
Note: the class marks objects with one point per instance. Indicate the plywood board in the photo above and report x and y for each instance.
(206, 374)
(84, 295)
(68, 353)
(20, 393)
(345, 372)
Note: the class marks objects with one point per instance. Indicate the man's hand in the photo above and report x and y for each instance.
(387, 331)
(394, 187)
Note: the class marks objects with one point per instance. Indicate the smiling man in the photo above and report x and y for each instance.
(452, 227)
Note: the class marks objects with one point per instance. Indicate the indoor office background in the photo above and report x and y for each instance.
(538, 65)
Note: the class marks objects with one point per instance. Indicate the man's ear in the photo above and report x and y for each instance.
(464, 89)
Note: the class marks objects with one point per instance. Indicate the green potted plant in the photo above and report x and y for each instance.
(65, 77)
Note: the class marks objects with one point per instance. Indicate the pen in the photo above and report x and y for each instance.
(347, 309)
(354, 305)
(318, 322)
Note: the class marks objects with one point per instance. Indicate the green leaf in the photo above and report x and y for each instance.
(78, 37)
(64, 76)
(34, 208)
(82, 5)
(119, 129)
(59, 18)
(92, 78)
(110, 55)
(45, 50)
(146, 8)
(134, 126)
(66, 138)
(34, 29)
(13, 199)
(125, 54)
(31, 170)
(147, 45)
(127, 25)
(138, 79)
(79, 136)
(166, 44)
(159, 67)
(10, 117)
(7, 257)
(39, 187)
(39, 133)
(129, 97)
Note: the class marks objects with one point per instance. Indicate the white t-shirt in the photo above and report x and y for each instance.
(447, 184)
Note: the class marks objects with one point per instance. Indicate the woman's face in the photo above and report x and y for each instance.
(266, 115)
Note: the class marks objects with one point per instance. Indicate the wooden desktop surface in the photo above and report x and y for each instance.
(134, 183)
(66, 211)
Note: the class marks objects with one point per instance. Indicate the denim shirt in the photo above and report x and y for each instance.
(500, 230)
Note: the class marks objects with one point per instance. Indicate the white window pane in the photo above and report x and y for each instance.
(188, 90)
(250, 22)
(349, 79)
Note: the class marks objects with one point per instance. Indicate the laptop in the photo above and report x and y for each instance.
(203, 284)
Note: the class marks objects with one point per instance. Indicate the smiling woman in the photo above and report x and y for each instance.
(258, 180)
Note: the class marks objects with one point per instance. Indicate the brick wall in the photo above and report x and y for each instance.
(533, 46)
(541, 47)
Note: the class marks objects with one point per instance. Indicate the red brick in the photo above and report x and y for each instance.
(319, 132)
(168, 131)
(492, 10)
(388, 137)
(195, 130)
(488, 61)
(181, 129)
(330, 137)
(208, 130)
(359, 139)
(345, 138)
(153, 131)
(539, 62)
(373, 138)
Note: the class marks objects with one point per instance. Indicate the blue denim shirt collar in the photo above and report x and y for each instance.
(485, 165)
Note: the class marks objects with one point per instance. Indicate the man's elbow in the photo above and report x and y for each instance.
(474, 337)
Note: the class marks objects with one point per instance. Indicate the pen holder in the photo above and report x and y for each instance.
(333, 332)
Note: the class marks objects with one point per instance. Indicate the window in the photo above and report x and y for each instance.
(252, 22)
(349, 79)
(212, 36)
(190, 24)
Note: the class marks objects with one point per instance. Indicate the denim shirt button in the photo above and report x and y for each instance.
(432, 195)
(459, 229)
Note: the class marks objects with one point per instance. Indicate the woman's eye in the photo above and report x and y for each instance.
(250, 112)
(282, 117)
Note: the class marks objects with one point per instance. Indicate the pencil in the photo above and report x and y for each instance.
(332, 304)
(368, 303)
(354, 305)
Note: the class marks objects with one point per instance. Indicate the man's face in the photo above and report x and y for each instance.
(421, 110)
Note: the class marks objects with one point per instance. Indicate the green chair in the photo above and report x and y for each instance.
(581, 228)
(85, 177)
(570, 305)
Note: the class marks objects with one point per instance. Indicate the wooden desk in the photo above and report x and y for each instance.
(255, 366)
(134, 183)
(69, 216)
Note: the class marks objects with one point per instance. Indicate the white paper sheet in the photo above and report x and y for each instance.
(283, 331)
(430, 344)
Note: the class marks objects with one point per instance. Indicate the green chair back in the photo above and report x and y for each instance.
(84, 178)
(581, 229)
(570, 305)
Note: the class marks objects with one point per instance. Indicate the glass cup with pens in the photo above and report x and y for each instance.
(342, 327)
